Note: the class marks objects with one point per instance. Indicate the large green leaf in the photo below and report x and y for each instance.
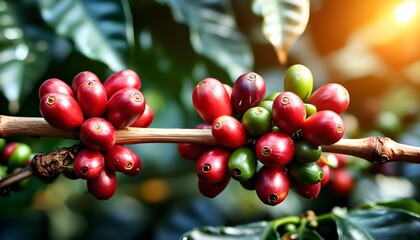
(283, 22)
(22, 60)
(100, 29)
(214, 33)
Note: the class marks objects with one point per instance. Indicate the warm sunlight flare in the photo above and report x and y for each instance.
(406, 11)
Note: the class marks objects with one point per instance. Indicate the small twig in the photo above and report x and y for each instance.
(13, 178)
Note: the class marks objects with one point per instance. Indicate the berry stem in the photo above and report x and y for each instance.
(374, 149)
(14, 177)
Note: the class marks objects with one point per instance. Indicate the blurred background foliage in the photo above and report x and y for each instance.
(370, 47)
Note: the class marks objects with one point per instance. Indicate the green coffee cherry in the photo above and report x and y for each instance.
(309, 173)
(306, 153)
(299, 80)
(310, 109)
(271, 96)
(20, 155)
(256, 121)
(267, 104)
(242, 164)
(3, 172)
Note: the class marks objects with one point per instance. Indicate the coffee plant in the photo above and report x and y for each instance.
(268, 144)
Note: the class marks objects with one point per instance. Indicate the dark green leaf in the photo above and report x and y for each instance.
(406, 204)
(347, 228)
(214, 33)
(101, 29)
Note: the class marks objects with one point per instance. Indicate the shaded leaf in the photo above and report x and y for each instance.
(405, 204)
(283, 22)
(101, 29)
(214, 33)
(22, 60)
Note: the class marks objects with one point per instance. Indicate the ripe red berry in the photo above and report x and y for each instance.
(272, 185)
(288, 112)
(126, 78)
(307, 191)
(97, 133)
(323, 128)
(192, 151)
(92, 99)
(247, 91)
(341, 183)
(145, 119)
(88, 163)
(125, 107)
(275, 149)
(104, 186)
(7, 152)
(212, 189)
(61, 111)
(54, 85)
(229, 132)
(211, 100)
(325, 170)
(122, 159)
(331, 96)
(80, 78)
(212, 166)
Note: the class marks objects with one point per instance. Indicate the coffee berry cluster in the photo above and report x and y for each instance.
(269, 143)
(96, 110)
(13, 157)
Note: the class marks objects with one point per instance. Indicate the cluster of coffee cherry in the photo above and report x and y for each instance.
(269, 143)
(97, 110)
(13, 157)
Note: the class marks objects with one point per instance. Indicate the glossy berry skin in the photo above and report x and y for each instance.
(92, 99)
(212, 189)
(256, 121)
(272, 185)
(15, 155)
(125, 107)
(289, 112)
(299, 80)
(211, 100)
(126, 78)
(145, 119)
(242, 164)
(274, 149)
(97, 133)
(192, 151)
(306, 152)
(104, 186)
(212, 166)
(122, 159)
(307, 191)
(308, 173)
(88, 163)
(326, 170)
(54, 85)
(247, 91)
(82, 77)
(331, 96)
(323, 128)
(61, 111)
(228, 132)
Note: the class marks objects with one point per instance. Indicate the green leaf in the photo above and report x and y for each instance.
(407, 204)
(23, 60)
(214, 33)
(100, 29)
(283, 22)
(349, 229)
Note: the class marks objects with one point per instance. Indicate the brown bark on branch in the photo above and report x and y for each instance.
(377, 150)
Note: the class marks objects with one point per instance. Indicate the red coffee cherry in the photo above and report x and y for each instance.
(7, 152)
(97, 133)
(325, 170)
(54, 85)
(288, 112)
(229, 132)
(211, 100)
(247, 91)
(145, 119)
(272, 185)
(212, 166)
(341, 183)
(274, 149)
(307, 191)
(212, 189)
(331, 96)
(88, 163)
(81, 78)
(15, 155)
(192, 151)
(323, 128)
(125, 107)
(61, 111)
(126, 78)
(104, 186)
(122, 159)
(92, 99)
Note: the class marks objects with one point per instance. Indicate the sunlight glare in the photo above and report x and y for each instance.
(406, 11)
